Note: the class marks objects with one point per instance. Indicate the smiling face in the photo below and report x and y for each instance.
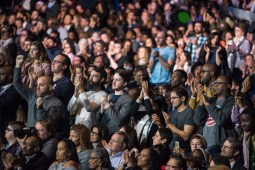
(247, 122)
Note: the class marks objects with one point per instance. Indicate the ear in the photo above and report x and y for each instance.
(37, 148)
(50, 87)
(123, 147)
(102, 80)
(236, 153)
(212, 73)
(163, 141)
(183, 98)
(64, 67)
(125, 84)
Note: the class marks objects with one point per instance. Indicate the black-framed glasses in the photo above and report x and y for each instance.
(174, 97)
(93, 133)
(8, 130)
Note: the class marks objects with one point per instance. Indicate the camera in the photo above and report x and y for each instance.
(21, 133)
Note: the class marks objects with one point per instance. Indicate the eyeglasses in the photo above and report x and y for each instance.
(219, 83)
(56, 62)
(93, 133)
(173, 98)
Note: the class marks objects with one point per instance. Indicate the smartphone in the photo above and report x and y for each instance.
(177, 144)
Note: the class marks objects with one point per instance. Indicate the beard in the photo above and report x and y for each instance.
(92, 85)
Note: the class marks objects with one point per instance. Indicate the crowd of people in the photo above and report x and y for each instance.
(127, 84)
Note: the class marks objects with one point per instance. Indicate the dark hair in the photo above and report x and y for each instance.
(71, 148)
(103, 155)
(249, 111)
(167, 134)
(124, 137)
(112, 71)
(38, 141)
(221, 160)
(241, 25)
(154, 163)
(211, 36)
(183, 74)
(132, 137)
(236, 144)
(103, 131)
(16, 125)
(160, 101)
(102, 72)
(180, 92)
(71, 44)
(194, 67)
(66, 62)
(124, 74)
(181, 162)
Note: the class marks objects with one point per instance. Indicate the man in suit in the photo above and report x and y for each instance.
(232, 149)
(8, 97)
(115, 109)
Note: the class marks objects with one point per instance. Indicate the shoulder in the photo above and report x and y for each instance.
(71, 163)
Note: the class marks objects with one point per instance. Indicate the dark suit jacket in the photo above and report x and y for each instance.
(237, 166)
(39, 162)
(9, 102)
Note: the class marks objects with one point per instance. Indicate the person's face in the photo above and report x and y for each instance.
(172, 164)
(127, 45)
(4, 77)
(94, 135)
(238, 32)
(67, 20)
(227, 150)
(27, 45)
(169, 41)
(116, 144)
(157, 139)
(249, 61)
(197, 71)
(215, 40)
(94, 76)
(228, 36)
(198, 28)
(142, 53)
(249, 37)
(247, 123)
(221, 86)
(34, 51)
(175, 100)
(62, 153)
(148, 43)
(4, 34)
(99, 62)
(42, 132)
(118, 82)
(42, 88)
(180, 43)
(9, 133)
(139, 77)
(74, 136)
(57, 64)
(117, 48)
(176, 80)
(76, 61)
(67, 49)
(143, 158)
(29, 147)
(105, 38)
(78, 73)
(109, 76)
(205, 74)
(196, 143)
(160, 38)
(94, 161)
(95, 37)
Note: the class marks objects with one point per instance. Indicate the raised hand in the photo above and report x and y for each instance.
(167, 117)
(156, 120)
(19, 61)
(39, 102)
(145, 88)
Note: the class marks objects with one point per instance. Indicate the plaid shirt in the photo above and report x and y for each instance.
(193, 48)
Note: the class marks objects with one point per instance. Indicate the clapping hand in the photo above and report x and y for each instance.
(156, 120)
(39, 102)
(19, 61)
(167, 117)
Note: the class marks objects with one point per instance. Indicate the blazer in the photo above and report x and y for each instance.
(118, 113)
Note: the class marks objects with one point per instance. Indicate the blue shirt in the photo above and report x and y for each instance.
(159, 74)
